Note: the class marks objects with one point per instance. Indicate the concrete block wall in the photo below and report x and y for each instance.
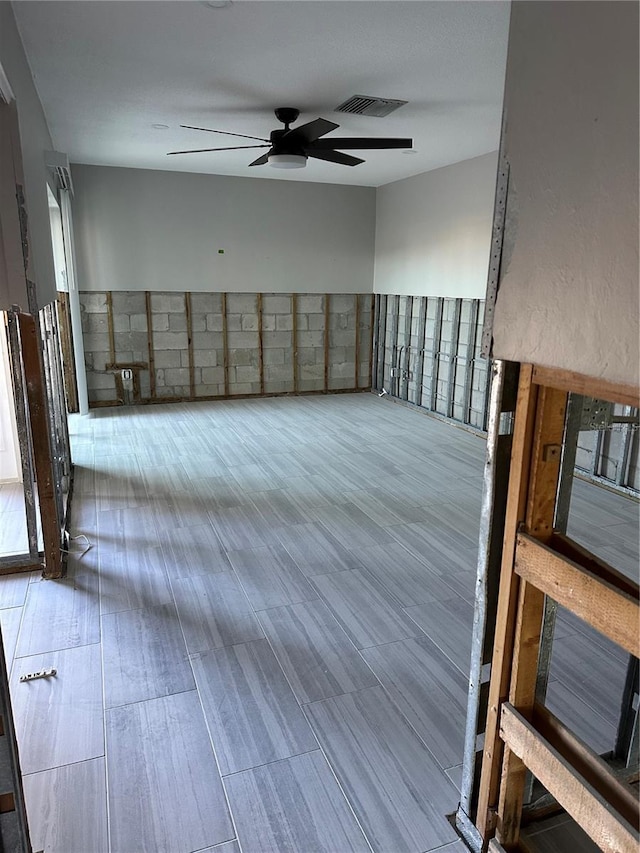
(201, 345)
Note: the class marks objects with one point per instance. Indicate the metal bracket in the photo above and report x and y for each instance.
(41, 673)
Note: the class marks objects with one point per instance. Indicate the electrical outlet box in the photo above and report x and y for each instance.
(127, 374)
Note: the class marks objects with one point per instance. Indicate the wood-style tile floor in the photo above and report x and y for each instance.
(266, 646)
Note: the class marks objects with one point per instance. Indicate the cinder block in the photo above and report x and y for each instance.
(311, 371)
(205, 358)
(167, 303)
(315, 322)
(101, 380)
(177, 322)
(127, 356)
(198, 323)
(310, 385)
(212, 375)
(138, 322)
(92, 323)
(278, 372)
(249, 323)
(93, 302)
(340, 338)
(278, 387)
(277, 339)
(102, 395)
(97, 360)
(247, 373)
(342, 303)
(159, 378)
(177, 376)
(276, 303)
(130, 341)
(209, 390)
(96, 342)
(214, 322)
(302, 322)
(273, 355)
(268, 322)
(242, 303)
(184, 358)
(310, 339)
(338, 384)
(170, 340)
(129, 302)
(241, 388)
(234, 322)
(160, 322)
(343, 371)
(238, 340)
(243, 357)
(206, 303)
(284, 323)
(145, 384)
(306, 355)
(308, 304)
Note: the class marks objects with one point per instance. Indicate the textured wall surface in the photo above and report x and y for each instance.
(569, 295)
(196, 345)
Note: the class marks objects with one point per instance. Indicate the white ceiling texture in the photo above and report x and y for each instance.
(109, 73)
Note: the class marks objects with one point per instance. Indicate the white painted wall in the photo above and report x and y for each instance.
(569, 295)
(35, 140)
(149, 230)
(433, 231)
(10, 464)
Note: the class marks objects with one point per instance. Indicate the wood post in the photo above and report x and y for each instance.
(36, 396)
(520, 734)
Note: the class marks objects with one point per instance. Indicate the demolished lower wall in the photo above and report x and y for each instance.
(185, 346)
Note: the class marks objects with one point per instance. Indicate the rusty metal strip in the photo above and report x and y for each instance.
(260, 341)
(152, 364)
(357, 358)
(327, 313)
(225, 343)
(112, 337)
(192, 369)
(294, 339)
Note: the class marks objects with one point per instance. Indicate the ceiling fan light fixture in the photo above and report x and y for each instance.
(287, 161)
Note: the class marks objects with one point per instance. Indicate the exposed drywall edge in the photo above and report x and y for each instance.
(433, 231)
(569, 295)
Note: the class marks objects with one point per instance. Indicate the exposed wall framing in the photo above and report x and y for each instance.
(540, 563)
(41, 418)
(185, 346)
(428, 354)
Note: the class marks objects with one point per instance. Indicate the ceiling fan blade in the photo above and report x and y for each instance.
(210, 130)
(203, 150)
(358, 142)
(261, 161)
(310, 131)
(334, 157)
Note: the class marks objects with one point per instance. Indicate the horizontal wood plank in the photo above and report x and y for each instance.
(580, 799)
(590, 386)
(588, 764)
(608, 609)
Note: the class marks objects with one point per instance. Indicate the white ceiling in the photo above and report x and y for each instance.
(107, 71)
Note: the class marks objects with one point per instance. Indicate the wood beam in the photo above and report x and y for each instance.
(507, 599)
(589, 386)
(610, 610)
(597, 817)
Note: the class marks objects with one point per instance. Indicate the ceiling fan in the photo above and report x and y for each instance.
(289, 148)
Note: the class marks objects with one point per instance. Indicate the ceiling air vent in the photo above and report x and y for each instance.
(365, 105)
